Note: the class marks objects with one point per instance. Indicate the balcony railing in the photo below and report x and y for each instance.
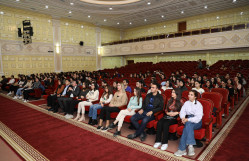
(184, 33)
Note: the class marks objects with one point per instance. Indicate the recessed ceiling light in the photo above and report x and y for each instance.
(110, 8)
(105, 20)
(182, 12)
(241, 13)
(70, 12)
(82, 26)
(89, 16)
(234, 1)
(17, 0)
(49, 21)
(118, 23)
(71, 3)
(1, 12)
(46, 6)
(145, 20)
(148, 3)
(164, 26)
(130, 23)
(66, 23)
(206, 7)
(162, 16)
(217, 17)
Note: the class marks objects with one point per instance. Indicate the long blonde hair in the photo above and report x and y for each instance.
(122, 87)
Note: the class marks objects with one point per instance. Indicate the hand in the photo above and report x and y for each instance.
(141, 111)
(82, 97)
(70, 88)
(58, 95)
(129, 109)
(102, 105)
(184, 120)
(149, 113)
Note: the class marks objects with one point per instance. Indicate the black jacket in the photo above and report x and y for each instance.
(74, 92)
(157, 104)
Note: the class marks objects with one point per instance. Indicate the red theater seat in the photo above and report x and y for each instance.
(217, 99)
(206, 130)
(225, 104)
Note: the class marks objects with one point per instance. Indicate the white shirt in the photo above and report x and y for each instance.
(190, 108)
(165, 88)
(92, 95)
(11, 81)
(105, 100)
(200, 90)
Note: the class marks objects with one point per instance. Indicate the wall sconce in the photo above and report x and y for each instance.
(57, 48)
(100, 50)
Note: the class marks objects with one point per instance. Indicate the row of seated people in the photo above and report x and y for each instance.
(152, 104)
(22, 87)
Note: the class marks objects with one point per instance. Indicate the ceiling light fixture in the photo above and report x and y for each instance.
(118, 23)
(71, 3)
(241, 13)
(17, 0)
(234, 1)
(162, 16)
(110, 8)
(89, 16)
(182, 12)
(145, 20)
(46, 6)
(66, 24)
(70, 12)
(206, 7)
(217, 17)
(1, 12)
(105, 20)
(130, 23)
(148, 3)
(164, 26)
(49, 21)
(82, 26)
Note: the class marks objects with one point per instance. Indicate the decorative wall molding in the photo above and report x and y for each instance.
(77, 50)
(222, 40)
(12, 47)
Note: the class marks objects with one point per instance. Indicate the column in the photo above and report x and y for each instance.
(98, 48)
(57, 45)
(1, 61)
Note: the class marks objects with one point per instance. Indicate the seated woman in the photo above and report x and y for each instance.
(51, 99)
(92, 95)
(11, 83)
(167, 85)
(29, 90)
(172, 111)
(191, 116)
(198, 87)
(18, 86)
(119, 99)
(209, 85)
(134, 104)
(105, 99)
(182, 86)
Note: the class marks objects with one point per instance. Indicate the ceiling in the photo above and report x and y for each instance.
(124, 14)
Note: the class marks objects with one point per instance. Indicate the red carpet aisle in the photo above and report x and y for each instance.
(43, 137)
(231, 142)
(235, 146)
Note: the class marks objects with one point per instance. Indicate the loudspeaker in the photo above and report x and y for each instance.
(19, 32)
(81, 43)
